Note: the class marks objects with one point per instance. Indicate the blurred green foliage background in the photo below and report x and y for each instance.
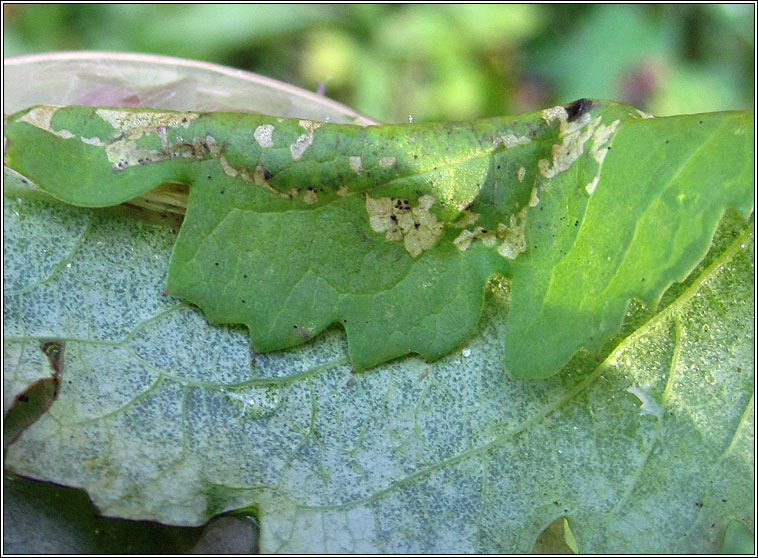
(435, 62)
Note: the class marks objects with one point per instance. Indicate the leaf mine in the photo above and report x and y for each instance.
(394, 231)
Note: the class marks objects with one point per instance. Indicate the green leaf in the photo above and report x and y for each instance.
(738, 540)
(663, 189)
(393, 231)
(162, 416)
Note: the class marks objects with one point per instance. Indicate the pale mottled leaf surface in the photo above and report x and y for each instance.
(409, 457)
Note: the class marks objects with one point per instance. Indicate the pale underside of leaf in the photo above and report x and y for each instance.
(340, 462)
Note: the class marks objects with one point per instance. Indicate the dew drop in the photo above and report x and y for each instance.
(466, 352)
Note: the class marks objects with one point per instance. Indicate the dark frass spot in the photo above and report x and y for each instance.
(578, 108)
(267, 175)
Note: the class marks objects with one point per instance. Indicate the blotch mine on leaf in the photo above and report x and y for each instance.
(463, 240)
(487, 237)
(305, 140)
(554, 113)
(139, 123)
(302, 143)
(129, 127)
(533, 199)
(41, 117)
(97, 142)
(514, 242)
(355, 164)
(310, 197)
(228, 169)
(309, 126)
(600, 137)
(206, 145)
(264, 135)
(511, 140)
(386, 162)
(416, 226)
(574, 135)
(521, 174)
